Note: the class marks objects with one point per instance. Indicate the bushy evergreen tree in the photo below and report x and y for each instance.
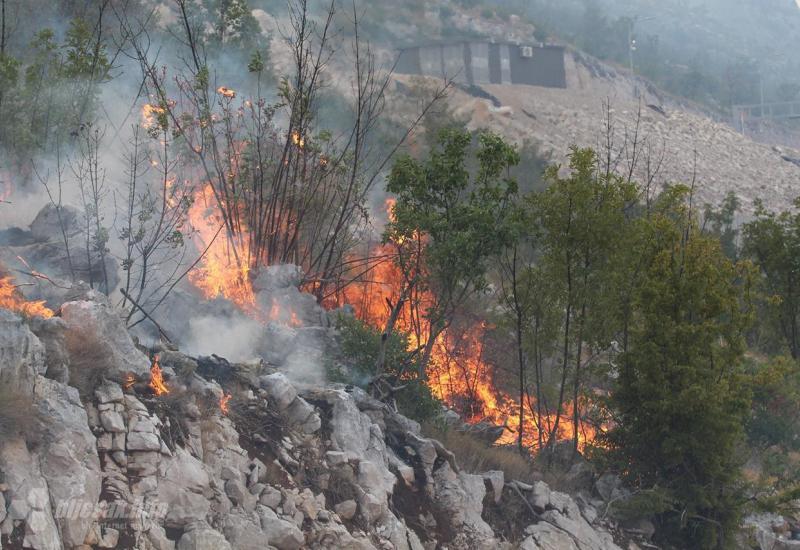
(681, 400)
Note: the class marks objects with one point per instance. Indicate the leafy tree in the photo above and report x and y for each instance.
(721, 224)
(773, 241)
(449, 221)
(776, 404)
(581, 218)
(681, 398)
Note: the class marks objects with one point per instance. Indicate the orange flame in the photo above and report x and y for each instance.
(226, 92)
(130, 380)
(11, 298)
(222, 271)
(457, 373)
(151, 114)
(223, 403)
(157, 383)
(298, 140)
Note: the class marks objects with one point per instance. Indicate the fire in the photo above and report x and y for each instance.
(226, 92)
(223, 403)
(130, 380)
(151, 115)
(298, 140)
(458, 374)
(11, 298)
(222, 271)
(157, 383)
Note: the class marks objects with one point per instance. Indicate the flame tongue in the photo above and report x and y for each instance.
(11, 298)
(157, 383)
(223, 403)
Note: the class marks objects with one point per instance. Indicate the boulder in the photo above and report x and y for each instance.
(112, 422)
(606, 485)
(769, 531)
(459, 498)
(182, 489)
(279, 389)
(109, 392)
(68, 458)
(539, 496)
(270, 497)
(200, 536)
(50, 229)
(280, 533)
(346, 509)
(22, 355)
(96, 325)
(27, 497)
(543, 536)
(243, 533)
(143, 441)
(566, 515)
(495, 480)
(50, 332)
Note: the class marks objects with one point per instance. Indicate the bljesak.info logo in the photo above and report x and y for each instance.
(112, 514)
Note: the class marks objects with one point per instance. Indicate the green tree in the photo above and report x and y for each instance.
(721, 223)
(681, 399)
(449, 221)
(773, 241)
(582, 218)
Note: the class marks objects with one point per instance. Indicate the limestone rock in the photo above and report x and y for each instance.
(243, 533)
(98, 324)
(202, 537)
(27, 497)
(280, 533)
(68, 459)
(544, 536)
(22, 355)
(143, 441)
(112, 421)
(279, 389)
(461, 494)
(495, 480)
(109, 392)
(346, 509)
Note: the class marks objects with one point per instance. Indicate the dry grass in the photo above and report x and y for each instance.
(17, 413)
(88, 356)
(474, 456)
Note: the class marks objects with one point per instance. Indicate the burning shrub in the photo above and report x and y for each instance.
(360, 346)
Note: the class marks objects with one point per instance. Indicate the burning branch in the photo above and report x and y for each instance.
(157, 383)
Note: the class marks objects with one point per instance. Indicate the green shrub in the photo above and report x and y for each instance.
(359, 348)
(776, 404)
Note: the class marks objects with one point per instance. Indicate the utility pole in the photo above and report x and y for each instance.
(632, 48)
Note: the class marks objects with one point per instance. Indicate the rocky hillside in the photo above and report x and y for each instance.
(679, 138)
(110, 445)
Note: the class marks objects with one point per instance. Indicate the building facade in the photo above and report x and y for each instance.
(487, 63)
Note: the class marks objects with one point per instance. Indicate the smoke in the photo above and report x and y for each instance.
(234, 339)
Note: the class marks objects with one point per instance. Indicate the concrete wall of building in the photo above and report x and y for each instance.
(485, 63)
